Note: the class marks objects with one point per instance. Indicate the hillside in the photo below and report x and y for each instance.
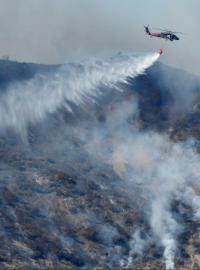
(79, 191)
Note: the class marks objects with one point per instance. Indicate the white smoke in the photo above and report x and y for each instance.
(164, 228)
(137, 245)
(164, 171)
(191, 198)
(30, 102)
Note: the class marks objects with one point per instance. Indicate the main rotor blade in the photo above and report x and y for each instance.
(169, 31)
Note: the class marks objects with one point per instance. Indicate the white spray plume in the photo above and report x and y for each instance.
(29, 102)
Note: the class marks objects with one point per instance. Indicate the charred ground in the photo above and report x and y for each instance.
(61, 210)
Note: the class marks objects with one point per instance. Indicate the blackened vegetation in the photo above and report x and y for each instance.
(61, 210)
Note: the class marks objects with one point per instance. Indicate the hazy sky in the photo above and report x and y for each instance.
(57, 31)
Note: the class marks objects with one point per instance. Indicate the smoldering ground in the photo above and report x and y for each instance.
(163, 170)
(88, 169)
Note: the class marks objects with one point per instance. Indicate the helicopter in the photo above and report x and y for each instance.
(166, 34)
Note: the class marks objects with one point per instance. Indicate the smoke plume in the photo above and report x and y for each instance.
(163, 171)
